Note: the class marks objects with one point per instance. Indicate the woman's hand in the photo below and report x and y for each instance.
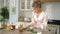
(27, 27)
(34, 27)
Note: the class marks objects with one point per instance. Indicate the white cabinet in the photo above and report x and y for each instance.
(26, 4)
(53, 29)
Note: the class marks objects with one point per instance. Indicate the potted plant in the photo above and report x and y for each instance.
(4, 15)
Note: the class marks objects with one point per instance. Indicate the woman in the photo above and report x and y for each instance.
(39, 19)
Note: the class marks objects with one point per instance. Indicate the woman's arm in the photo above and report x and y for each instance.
(45, 20)
(32, 23)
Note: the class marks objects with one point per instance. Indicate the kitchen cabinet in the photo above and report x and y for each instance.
(24, 7)
(53, 29)
(26, 4)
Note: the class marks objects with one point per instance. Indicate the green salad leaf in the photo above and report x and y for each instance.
(30, 30)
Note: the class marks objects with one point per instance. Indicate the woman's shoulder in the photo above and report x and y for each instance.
(44, 13)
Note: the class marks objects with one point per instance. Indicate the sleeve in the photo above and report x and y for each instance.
(44, 24)
(32, 20)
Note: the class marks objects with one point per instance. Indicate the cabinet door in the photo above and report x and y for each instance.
(26, 4)
(29, 4)
(22, 4)
(52, 31)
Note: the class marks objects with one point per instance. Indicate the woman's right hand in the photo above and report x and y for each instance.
(27, 27)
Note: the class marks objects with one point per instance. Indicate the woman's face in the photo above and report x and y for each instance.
(36, 10)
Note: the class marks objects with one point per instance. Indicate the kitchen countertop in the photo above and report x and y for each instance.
(5, 31)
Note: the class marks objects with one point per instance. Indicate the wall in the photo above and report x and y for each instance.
(53, 10)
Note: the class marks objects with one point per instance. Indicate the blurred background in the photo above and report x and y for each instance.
(17, 11)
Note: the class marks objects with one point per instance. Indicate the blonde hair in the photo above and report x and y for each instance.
(36, 4)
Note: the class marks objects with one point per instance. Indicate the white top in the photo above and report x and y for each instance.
(41, 21)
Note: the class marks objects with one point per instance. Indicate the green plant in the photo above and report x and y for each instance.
(5, 13)
(30, 30)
